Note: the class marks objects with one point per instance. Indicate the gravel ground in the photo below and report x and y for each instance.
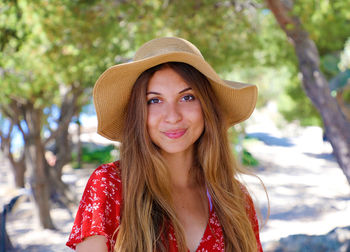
(307, 190)
(23, 225)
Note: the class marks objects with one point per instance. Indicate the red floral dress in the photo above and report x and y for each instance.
(99, 214)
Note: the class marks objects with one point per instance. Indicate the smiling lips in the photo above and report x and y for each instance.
(174, 134)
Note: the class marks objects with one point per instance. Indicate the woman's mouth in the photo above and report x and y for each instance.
(174, 134)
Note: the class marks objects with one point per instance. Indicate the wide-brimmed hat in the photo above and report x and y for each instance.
(113, 88)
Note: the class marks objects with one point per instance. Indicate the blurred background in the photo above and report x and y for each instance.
(297, 141)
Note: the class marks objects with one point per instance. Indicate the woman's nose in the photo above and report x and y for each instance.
(172, 113)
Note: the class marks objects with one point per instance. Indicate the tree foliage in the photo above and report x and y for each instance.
(314, 82)
(327, 23)
(52, 51)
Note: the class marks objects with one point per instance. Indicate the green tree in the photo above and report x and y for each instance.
(314, 81)
(327, 25)
(51, 54)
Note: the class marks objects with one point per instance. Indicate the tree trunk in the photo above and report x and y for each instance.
(36, 164)
(315, 84)
(18, 166)
(59, 190)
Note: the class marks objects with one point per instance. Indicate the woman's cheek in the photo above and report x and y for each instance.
(154, 110)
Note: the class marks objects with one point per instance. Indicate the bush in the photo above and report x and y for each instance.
(97, 155)
(248, 159)
(94, 154)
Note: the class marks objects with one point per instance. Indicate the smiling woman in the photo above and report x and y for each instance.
(175, 186)
(174, 116)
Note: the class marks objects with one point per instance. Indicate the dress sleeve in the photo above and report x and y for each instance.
(253, 218)
(99, 208)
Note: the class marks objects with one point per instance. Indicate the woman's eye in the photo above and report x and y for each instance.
(153, 101)
(188, 98)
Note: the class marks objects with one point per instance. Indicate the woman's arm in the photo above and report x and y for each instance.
(93, 244)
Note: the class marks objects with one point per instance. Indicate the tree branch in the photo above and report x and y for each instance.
(290, 25)
(68, 109)
(281, 12)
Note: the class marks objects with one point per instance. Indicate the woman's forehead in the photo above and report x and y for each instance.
(165, 80)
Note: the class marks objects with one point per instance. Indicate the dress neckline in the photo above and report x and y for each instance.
(207, 227)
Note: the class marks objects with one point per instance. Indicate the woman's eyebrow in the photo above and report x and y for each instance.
(186, 89)
(151, 92)
(156, 93)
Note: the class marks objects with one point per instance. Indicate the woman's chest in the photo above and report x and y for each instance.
(192, 211)
(212, 238)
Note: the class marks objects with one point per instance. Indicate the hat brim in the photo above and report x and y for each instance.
(113, 88)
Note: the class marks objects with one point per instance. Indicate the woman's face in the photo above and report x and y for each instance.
(175, 118)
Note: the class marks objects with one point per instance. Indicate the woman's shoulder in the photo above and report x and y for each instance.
(99, 208)
(251, 212)
(104, 184)
(107, 172)
(249, 204)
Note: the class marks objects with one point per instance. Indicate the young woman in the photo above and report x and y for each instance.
(175, 186)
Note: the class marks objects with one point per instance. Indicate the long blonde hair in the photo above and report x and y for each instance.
(147, 203)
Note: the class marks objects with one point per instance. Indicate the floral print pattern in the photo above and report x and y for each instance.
(99, 214)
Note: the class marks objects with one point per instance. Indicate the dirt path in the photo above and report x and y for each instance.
(308, 192)
(23, 225)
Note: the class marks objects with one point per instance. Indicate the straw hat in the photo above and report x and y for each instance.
(113, 88)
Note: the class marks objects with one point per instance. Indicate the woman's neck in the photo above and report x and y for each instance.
(179, 165)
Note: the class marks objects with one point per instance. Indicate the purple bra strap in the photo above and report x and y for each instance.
(209, 199)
